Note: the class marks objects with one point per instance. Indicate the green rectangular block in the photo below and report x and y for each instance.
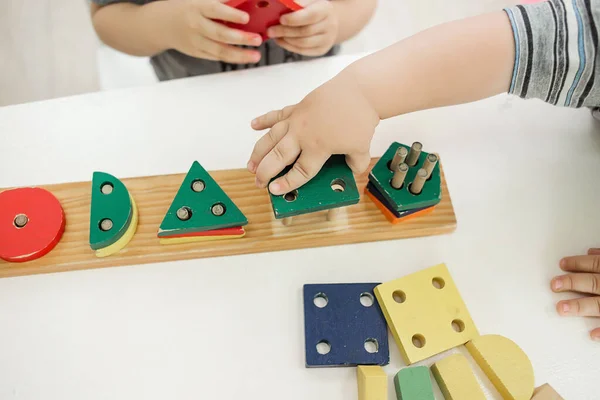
(402, 199)
(334, 186)
(414, 383)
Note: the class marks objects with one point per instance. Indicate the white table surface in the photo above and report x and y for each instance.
(523, 180)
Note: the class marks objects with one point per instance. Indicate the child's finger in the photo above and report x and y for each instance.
(358, 162)
(305, 168)
(295, 49)
(297, 31)
(306, 42)
(221, 33)
(282, 155)
(228, 53)
(595, 334)
(594, 252)
(582, 307)
(312, 14)
(266, 143)
(581, 264)
(582, 283)
(271, 118)
(219, 11)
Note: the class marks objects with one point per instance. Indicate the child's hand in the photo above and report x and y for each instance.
(196, 32)
(585, 279)
(311, 31)
(336, 118)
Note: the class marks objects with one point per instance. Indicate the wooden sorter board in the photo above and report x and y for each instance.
(358, 223)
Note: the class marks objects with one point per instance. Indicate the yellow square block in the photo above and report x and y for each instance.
(456, 379)
(425, 313)
(372, 382)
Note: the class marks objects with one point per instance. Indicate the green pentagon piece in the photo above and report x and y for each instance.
(200, 205)
(334, 186)
(414, 383)
(402, 199)
(111, 210)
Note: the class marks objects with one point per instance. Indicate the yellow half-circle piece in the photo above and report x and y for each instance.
(125, 239)
(505, 364)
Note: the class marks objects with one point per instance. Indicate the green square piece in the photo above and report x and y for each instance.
(414, 383)
(334, 186)
(402, 199)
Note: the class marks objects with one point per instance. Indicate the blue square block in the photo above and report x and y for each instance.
(344, 321)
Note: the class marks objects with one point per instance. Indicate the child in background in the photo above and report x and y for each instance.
(183, 38)
(547, 51)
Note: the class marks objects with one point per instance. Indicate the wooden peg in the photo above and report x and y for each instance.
(399, 176)
(429, 163)
(287, 221)
(399, 158)
(417, 185)
(414, 153)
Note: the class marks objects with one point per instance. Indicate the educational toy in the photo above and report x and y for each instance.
(123, 240)
(361, 223)
(372, 382)
(344, 326)
(425, 313)
(263, 14)
(32, 222)
(111, 210)
(414, 383)
(546, 392)
(407, 196)
(392, 215)
(505, 364)
(456, 378)
(200, 205)
(334, 186)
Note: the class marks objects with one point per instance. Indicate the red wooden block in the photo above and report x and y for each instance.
(32, 222)
(217, 232)
(263, 14)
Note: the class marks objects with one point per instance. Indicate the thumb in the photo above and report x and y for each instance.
(358, 162)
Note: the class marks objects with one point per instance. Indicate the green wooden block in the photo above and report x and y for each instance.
(402, 199)
(205, 206)
(334, 186)
(414, 383)
(111, 210)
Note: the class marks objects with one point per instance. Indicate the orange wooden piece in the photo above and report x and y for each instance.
(32, 222)
(391, 217)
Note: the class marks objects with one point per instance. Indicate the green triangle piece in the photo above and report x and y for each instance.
(199, 206)
(112, 205)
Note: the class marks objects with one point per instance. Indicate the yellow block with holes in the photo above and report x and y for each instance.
(425, 313)
(372, 382)
(505, 364)
(456, 379)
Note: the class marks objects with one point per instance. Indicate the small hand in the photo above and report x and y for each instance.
(195, 31)
(336, 118)
(584, 278)
(311, 31)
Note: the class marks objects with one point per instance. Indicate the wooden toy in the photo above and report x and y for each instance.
(111, 210)
(414, 383)
(546, 392)
(333, 187)
(372, 382)
(32, 222)
(425, 313)
(505, 364)
(113, 215)
(263, 14)
(344, 326)
(153, 195)
(415, 183)
(200, 206)
(456, 379)
(391, 215)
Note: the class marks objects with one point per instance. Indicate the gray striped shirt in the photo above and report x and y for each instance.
(556, 51)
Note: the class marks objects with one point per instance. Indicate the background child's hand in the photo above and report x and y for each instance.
(336, 118)
(197, 32)
(584, 279)
(311, 31)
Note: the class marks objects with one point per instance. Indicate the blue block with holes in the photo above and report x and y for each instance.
(349, 330)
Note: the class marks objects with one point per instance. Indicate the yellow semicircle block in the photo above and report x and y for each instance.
(125, 239)
(505, 364)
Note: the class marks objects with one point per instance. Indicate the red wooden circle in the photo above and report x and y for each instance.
(43, 230)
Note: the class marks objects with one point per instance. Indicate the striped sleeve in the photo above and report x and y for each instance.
(556, 50)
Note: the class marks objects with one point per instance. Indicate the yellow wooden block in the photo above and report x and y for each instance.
(192, 239)
(546, 392)
(125, 239)
(372, 382)
(425, 313)
(505, 364)
(456, 379)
